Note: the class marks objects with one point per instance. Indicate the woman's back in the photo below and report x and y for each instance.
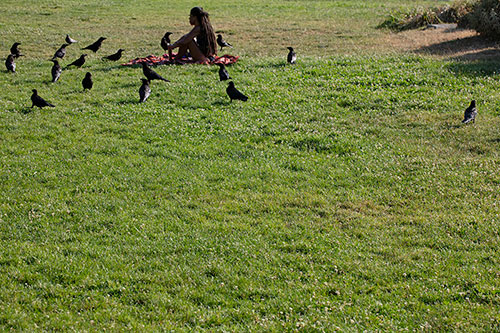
(206, 38)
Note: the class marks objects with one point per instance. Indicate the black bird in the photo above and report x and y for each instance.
(87, 81)
(15, 50)
(69, 40)
(292, 57)
(115, 56)
(470, 113)
(165, 41)
(56, 70)
(61, 52)
(222, 43)
(144, 91)
(38, 101)
(234, 93)
(78, 62)
(10, 63)
(151, 74)
(96, 45)
(223, 74)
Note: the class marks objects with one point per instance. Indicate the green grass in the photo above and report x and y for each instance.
(344, 194)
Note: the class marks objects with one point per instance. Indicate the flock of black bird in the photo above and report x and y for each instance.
(145, 89)
(87, 83)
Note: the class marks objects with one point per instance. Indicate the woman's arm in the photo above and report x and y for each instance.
(187, 38)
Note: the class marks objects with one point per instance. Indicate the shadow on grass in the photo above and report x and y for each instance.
(33, 81)
(26, 110)
(225, 102)
(274, 65)
(134, 83)
(475, 55)
(452, 126)
(108, 69)
(281, 64)
(138, 65)
(127, 101)
(456, 46)
(483, 67)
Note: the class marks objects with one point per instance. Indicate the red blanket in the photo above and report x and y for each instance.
(226, 59)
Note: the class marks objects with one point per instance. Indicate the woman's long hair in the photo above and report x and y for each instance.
(206, 40)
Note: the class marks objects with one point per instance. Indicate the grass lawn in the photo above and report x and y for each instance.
(345, 194)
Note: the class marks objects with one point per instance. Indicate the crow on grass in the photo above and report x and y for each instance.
(115, 56)
(87, 82)
(14, 49)
(234, 93)
(470, 113)
(165, 41)
(69, 40)
(38, 101)
(151, 74)
(61, 52)
(223, 73)
(10, 64)
(222, 43)
(144, 91)
(292, 57)
(56, 70)
(78, 62)
(96, 45)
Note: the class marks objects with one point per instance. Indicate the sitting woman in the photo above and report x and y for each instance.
(200, 41)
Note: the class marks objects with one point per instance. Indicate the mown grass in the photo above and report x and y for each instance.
(344, 194)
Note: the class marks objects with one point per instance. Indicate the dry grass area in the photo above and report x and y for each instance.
(460, 44)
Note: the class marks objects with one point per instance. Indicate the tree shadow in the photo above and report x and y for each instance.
(476, 67)
(457, 46)
(475, 55)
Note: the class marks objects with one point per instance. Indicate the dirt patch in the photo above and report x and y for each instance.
(447, 43)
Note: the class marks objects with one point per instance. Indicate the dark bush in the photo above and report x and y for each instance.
(485, 18)
(422, 17)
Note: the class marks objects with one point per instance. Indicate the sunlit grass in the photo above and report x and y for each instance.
(345, 194)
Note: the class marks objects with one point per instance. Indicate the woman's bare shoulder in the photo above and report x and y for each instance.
(196, 30)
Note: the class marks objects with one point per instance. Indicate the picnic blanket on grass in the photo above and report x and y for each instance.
(226, 59)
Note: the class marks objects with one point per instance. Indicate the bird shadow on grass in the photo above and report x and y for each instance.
(108, 69)
(452, 126)
(133, 66)
(136, 83)
(127, 101)
(274, 65)
(48, 82)
(33, 81)
(139, 65)
(221, 103)
(26, 110)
